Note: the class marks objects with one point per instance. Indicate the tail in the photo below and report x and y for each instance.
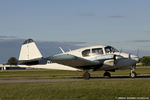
(29, 51)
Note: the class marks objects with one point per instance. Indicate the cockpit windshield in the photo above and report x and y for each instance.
(110, 49)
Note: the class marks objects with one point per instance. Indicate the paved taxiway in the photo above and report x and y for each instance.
(13, 80)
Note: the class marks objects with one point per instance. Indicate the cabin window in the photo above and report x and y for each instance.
(97, 51)
(86, 53)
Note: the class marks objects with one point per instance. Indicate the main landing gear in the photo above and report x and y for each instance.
(107, 75)
(86, 75)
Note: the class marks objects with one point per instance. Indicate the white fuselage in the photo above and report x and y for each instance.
(93, 53)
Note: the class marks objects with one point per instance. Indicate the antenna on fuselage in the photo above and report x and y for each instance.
(61, 50)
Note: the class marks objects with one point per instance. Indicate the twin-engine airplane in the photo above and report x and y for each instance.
(93, 58)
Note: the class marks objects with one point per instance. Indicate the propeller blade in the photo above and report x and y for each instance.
(115, 60)
(137, 52)
(129, 56)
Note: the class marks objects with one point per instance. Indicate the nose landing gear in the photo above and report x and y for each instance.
(132, 73)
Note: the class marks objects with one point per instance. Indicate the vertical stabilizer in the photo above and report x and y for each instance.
(29, 51)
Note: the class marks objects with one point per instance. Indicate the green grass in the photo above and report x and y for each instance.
(76, 90)
(38, 74)
(105, 89)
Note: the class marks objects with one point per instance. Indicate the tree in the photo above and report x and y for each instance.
(12, 61)
(145, 61)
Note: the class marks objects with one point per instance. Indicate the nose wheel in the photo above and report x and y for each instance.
(107, 75)
(86, 75)
(133, 73)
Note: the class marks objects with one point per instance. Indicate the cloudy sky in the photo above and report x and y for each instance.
(124, 24)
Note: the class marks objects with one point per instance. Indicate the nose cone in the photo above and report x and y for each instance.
(134, 57)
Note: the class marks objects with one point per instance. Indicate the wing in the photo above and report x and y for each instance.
(73, 61)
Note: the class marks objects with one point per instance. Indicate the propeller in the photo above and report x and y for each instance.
(137, 53)
(129, 56)
(116, 59)
(120, 51)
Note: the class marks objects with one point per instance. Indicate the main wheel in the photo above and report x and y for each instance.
(86, 75)
(107, 75)
(133, 74)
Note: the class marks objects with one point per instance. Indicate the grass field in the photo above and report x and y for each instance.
(76, 90)
(106, 89)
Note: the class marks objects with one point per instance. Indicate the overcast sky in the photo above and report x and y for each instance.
(122, 23)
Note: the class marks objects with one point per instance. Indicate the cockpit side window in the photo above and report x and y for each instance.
(107, 50)
(86, 53)
(97, 51)
(110, 49)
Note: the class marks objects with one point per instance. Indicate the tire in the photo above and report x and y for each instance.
(107, 75)
(133, 74)
(86, 75)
